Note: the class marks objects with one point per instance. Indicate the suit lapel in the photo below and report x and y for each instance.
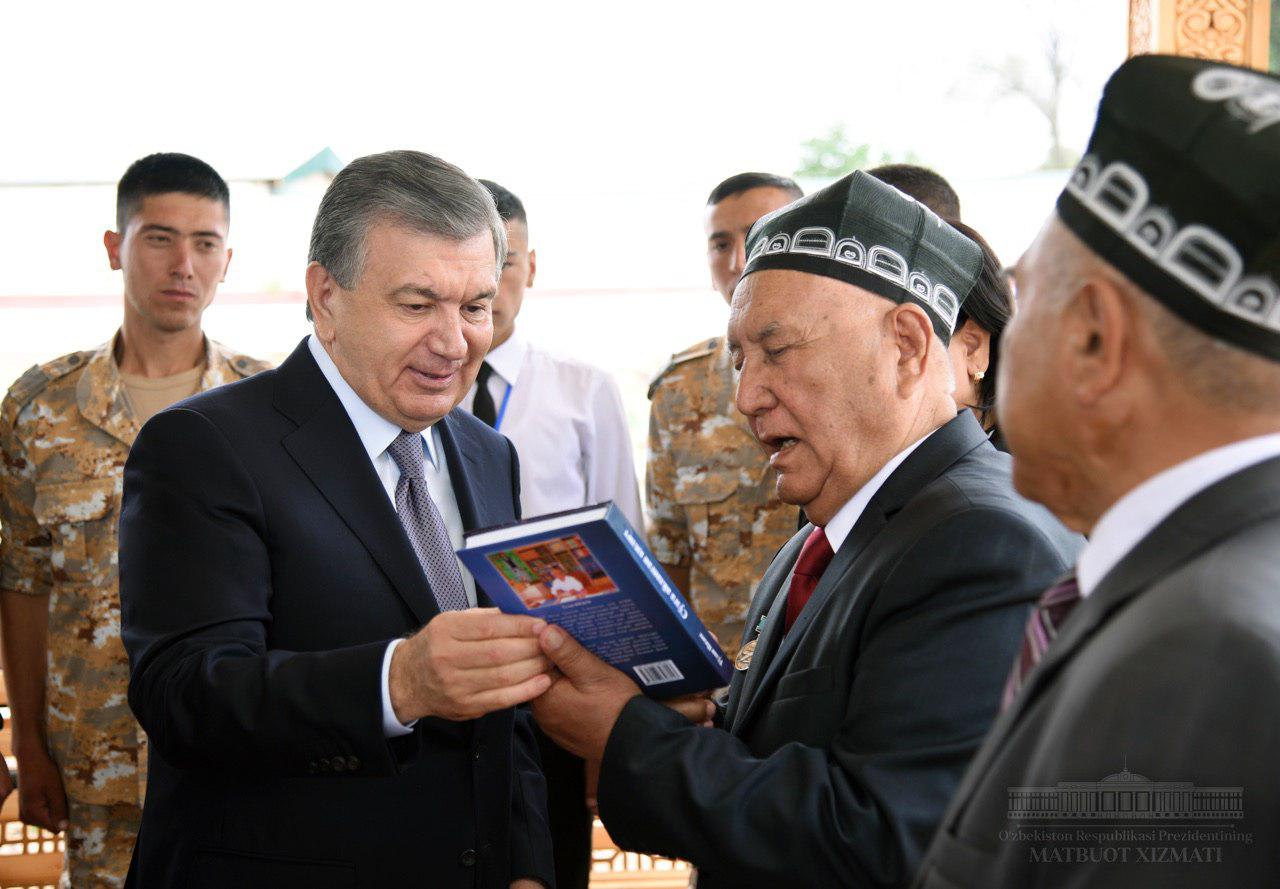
(773, 602)
(933, 457)
(771, 670)
(326, 447)
(462, 459)
(1213, 515)
(766, 598)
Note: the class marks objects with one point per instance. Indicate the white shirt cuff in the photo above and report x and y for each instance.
(391, 727)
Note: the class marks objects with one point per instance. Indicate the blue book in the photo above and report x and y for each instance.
(589, 572)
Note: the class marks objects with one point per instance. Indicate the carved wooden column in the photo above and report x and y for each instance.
(1237, 31)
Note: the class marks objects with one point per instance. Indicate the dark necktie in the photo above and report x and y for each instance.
(424, 524)
(483, 406)
(815, 556)
(1042, 629)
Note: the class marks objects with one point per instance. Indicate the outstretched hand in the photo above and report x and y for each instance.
(580, 709)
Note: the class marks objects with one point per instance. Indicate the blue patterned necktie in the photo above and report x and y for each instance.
(424, 524)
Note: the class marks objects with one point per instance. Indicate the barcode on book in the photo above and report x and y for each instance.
(658, 672)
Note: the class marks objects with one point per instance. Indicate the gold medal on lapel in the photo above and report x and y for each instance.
(744, 656)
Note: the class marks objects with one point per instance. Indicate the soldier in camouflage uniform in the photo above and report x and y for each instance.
(65, 432)
(715, 520)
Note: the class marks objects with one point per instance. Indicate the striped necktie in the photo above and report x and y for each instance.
(1042, 629)
(424, 525)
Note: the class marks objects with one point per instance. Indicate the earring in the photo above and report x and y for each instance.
(978, 375)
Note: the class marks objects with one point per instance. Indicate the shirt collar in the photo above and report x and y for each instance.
(375, 431)
(1137, 513)
(507, 359)
(837, 530)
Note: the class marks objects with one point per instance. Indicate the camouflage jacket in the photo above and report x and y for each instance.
(709, 489)
(65, 432)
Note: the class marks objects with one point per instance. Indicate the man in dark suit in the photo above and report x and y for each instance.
(283, 545)
(1141, 391)
(877, 639)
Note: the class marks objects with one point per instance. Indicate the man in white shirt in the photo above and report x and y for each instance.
(1140, 393)
(564, 416)
(566, 420)
(563, 585)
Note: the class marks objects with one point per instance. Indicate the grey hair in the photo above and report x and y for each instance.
(408, 188)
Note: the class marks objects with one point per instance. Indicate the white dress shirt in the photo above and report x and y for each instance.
(569, 428)
(1137, 513)
(837, 530)
(376, 434)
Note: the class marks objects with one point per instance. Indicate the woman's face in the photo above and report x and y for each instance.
(970, 352)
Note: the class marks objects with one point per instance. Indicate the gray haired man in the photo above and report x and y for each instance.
(327, 704)
(1138, 386)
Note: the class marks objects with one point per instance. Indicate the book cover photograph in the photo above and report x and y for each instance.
(552, 571)
(589, 572)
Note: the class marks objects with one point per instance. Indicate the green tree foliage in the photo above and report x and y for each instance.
(1275, 36)
(832, 155)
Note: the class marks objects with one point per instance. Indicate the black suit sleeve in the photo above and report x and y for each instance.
(935, 651)
(530, 828)
(195, 591)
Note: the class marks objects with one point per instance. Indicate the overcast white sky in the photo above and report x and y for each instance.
(546, 93)
(611, 120)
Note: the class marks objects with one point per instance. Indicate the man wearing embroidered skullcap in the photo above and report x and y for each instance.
(1140, 393)
(878, 640)
(715, 520)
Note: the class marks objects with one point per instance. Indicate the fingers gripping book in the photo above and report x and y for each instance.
(589, 572)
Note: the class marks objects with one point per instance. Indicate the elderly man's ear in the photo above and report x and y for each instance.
(1100, 339)
(912, 332)
(320, 289)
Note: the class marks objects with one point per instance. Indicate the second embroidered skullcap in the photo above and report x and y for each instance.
(1179, 189)
(871, 235)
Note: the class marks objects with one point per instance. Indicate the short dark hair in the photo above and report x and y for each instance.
(989, 304)
(509, 206)
(923, 184)
(165, 173)
(746, 181)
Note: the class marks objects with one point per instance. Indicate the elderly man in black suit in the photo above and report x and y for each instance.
(879, 638)
(1141, 397)
(325, 703)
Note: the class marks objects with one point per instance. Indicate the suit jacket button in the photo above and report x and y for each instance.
(353, 763)
(325, 765)
(313, 767)
(339, 763)
(468, 858)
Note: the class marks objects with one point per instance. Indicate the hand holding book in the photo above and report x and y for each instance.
(464, 664)
(582, 705)
(589, 572)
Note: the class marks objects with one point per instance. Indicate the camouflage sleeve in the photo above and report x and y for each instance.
(668, 526)
(24, 546)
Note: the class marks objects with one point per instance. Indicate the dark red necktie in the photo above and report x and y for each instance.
(815, 556)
